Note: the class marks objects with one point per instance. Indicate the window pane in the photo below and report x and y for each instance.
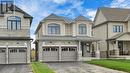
(82, 29)
(9, 25)
(18, 25)
(14, 25)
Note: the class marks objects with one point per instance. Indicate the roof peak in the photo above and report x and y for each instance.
(82, 18)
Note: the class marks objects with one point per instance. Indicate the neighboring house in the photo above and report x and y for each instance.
(15, 41)
(112, 25)
(62, 39)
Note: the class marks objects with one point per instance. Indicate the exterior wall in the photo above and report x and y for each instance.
(110, 28)
(101, 33)
(68, 29)
(25, 26)
(65, 29)
(128, 26)
(100, 18)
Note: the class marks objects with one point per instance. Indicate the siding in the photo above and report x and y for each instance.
(101, 33)
(100, 18)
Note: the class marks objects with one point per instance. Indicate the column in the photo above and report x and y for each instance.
(116, 49)
(79, 51)
(97, 51)
(28, 45)
(40, 51)
(60, 52)
(7, 54)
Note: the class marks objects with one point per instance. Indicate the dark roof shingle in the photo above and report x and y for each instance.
(115, 14)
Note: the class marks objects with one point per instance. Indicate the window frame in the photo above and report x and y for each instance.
(16, 20)
(117, 28)
(82, 29)
(53, 29)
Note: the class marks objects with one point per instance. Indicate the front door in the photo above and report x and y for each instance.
(120, 46)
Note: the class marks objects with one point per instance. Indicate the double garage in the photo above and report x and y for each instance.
(63, 53)
(13, 55)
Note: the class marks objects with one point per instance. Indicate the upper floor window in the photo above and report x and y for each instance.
(82, 29)
(53, 29)
(118, 28)
(14, 23)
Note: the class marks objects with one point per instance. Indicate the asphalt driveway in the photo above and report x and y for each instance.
(79, 68)
(15, 69)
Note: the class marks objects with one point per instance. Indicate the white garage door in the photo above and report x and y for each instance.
(17, 55)
(68, 53)
(50, 53)
(2, 56)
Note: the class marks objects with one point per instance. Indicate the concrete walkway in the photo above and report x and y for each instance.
(79, 68)
(15, 68)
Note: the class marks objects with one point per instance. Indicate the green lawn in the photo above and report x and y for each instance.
(117, 64)
(41, 68)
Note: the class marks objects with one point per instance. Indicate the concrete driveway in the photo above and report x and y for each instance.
(15, 69)
(79, 68)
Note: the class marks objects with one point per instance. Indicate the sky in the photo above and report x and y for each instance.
(39, 9)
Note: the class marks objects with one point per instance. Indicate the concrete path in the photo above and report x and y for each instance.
(15, 69)
(79, 68)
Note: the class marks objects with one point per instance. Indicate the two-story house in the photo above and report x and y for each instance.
(15, 41)
(63, 39)
(112, 25)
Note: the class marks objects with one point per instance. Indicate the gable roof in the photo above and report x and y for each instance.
(115, 14)
(15, 8)
(56, 17)
(82, 18)
(53, 17)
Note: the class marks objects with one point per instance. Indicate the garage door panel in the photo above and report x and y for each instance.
(68, 54)
(50, 54)
(2, 56)
(17, 55)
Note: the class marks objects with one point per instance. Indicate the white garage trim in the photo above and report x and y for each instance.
(17, 46)
(3, 46)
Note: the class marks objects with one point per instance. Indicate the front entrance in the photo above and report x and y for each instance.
(86, 49)
(120, 46)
